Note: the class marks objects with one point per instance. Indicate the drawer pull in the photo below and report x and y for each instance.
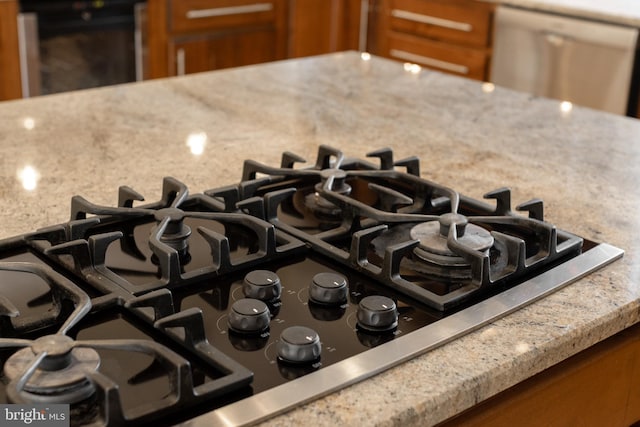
(432, 20)
(232, 10)
(430, 62)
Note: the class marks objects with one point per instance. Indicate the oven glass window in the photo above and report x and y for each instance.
(81, 44)
(81, 60)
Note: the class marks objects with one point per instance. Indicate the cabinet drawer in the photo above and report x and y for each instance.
(459, 21)
(460, 60)
(197, 15)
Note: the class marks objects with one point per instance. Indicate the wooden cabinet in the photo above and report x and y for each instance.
(9, 55)
(453, 36)
(597, 387)
(323, 26)
(187, 36)
(209, 52)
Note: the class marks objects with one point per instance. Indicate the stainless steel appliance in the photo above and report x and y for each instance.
(585, 62)
(246, 300)
(70, 45)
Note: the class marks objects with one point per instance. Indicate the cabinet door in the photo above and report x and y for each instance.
(323, 26)
(188, 36)
(221, 50)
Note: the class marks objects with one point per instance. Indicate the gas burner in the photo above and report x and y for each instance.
(171, 230)
(153, 246)
(428, 241)
(50, 369)
(104, 373)
(331, 180)
(432, 262)
(177, 232)
(57, 370)
(434, 249)
(433, 238)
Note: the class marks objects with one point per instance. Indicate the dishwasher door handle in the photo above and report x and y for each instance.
(556, 40)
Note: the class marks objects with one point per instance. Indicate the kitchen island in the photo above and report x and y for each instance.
(469, 136)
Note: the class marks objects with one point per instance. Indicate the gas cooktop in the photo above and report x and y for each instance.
(246, 300)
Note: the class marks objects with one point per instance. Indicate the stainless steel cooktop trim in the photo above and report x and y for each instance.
(369, 363)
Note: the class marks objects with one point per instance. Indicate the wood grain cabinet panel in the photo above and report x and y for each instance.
(187, 36)
(452, 36)
(597, 387)
(323, 26)
(221, 51)
(10, 87)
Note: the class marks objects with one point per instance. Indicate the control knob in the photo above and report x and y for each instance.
(262, 284)
(299, 344)
(328, 288)
(248, 316)
(377, 313)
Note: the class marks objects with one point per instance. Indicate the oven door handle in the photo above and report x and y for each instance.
(29, 50)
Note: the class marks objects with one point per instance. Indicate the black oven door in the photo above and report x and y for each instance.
(80, 44)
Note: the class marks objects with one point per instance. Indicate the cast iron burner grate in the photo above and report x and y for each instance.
(157, 246)
(56, 368)
(416, 236)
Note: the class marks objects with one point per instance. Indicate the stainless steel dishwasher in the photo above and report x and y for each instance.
(585, 62)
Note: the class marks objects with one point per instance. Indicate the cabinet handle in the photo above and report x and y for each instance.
(432, 20)
(140, 40)
(364, 26)
(180, 62)
(431, 62)
(232, 10)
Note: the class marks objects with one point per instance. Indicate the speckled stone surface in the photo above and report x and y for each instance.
(583, 164)
(624, 12)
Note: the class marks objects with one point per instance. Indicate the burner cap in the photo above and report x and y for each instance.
(433, 237)
(61, 377)
(318, 204)
(177, 233)
(174, 214)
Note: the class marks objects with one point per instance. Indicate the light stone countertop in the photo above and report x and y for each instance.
(623, 12)
(583, 164)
